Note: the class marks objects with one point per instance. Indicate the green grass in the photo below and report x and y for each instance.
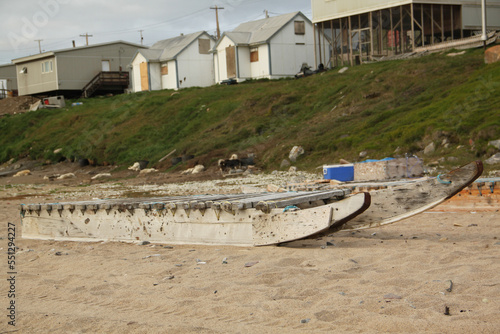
(374, 107)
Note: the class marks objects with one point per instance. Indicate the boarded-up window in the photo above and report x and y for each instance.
(144, 76)
(231, 61)
(203, 46)
(164, 70)
(254, 55)
(300, 27)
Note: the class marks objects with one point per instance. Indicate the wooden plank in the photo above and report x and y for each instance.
(143, 67)
(231, 61)
(396, 203)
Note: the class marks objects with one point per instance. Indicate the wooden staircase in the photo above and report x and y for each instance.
(110, 81)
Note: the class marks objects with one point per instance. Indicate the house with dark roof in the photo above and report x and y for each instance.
(272, 48)
(83, 70)
(179, 62)
(8, 80)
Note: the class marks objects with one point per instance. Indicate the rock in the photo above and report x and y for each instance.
(305, 321)
(343, 162)
(135, 167)
(187, 171)
(494, 159)
(392, 296)
(492, 55)
(66, 176)
(495, 143)
(148, 171)
(57, 150)
(23, 173)
(292, 169)
(145, 242)
(429, 149)
(198, 169)
(250, 264)
(101, 176)
(295, 153)
(363, 154)
(343, 69)
(285, 163)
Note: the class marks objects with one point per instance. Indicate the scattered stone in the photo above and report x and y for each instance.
(22, 173)
(148, 256)
(198, 261)
(292, 169)
(450, 285)
(145, 242)
(224, 260)
(492, 55)
(363, 154)
(328, 243)
(485, 300)
(343, 69)
(471, 225)
(251, 264)
(446, 310)
(343, 162)
(443, 239)
(495, 143)
(60, 253)
(168, 277)
(392, 296)
(494, 159)
(429, 149)
(305, 321)
(342, 293)
(57, 150)
(66, 176)
(101, 176)
(198, 169)
(295, 153)
(148, 171)
(135, 167)
(285, 163)
(168, 247)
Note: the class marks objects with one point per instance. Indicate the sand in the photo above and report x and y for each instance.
(386, 280)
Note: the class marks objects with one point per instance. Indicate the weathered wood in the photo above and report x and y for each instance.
(399, 202)
(182, 224)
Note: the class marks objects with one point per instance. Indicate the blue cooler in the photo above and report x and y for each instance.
(339, 172)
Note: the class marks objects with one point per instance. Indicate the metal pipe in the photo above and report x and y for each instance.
(484, 37)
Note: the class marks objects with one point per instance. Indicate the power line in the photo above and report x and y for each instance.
(217, 18)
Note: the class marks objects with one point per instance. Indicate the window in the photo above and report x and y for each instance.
(47, 66)
(204, 46)
(300, 28)
(254, 55)
(164, 69)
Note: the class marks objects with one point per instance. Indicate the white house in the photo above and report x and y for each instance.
(179, 62)
(272, 48)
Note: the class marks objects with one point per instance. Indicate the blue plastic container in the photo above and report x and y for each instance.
(339, 172)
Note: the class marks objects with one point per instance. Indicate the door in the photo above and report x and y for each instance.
(144, 76)
(231, 62)
(105, 65)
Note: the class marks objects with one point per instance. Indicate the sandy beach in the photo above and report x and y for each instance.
(436, 272)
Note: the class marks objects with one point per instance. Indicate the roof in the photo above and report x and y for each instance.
(170, 48)
(261, 31)
(52, 53)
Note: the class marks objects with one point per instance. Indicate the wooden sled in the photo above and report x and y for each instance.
(245, 220)
(402, 201)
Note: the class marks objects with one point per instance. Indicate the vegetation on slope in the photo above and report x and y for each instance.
(378, 108)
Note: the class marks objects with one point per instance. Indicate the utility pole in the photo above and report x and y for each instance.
(39, 44)
(140, 31)
(217, 18)
(87, 37)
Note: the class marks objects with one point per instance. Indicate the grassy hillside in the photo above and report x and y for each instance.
(375, 108)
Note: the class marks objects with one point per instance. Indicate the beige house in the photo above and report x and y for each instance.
(8, 80)
(358, 31)
(76, 71)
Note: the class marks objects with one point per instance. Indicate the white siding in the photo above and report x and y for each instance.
(243, 63)
(323, 10)
(195, 69)
(221, 58)
(154, 73)
(471, 16)
(260, 68)
(169, 81)
(136, 72)
(289, 51)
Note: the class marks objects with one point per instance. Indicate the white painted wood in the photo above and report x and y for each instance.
(88, 222)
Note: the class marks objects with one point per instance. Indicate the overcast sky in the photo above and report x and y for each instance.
(58, 22)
